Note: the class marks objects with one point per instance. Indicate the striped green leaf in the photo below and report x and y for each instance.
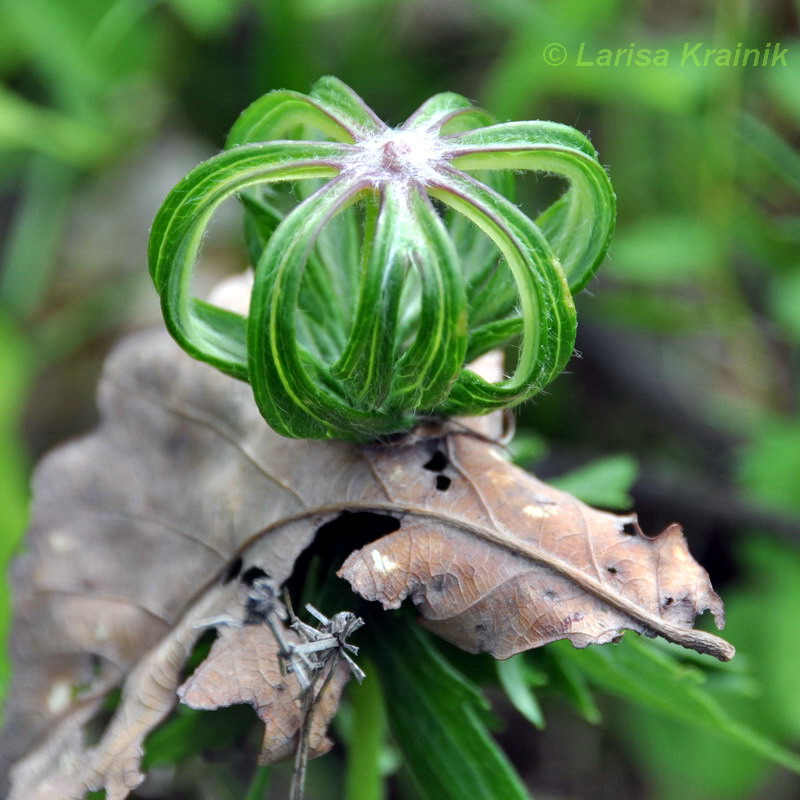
(369, 300)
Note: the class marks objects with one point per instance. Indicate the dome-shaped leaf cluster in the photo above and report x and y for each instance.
(402, 259)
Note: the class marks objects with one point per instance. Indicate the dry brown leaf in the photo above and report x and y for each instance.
(499, 562)
(135, 529)
(243, 667)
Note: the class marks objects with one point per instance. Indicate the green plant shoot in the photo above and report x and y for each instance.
(404, 259)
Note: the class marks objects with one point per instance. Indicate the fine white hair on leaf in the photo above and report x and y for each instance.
(396, 155)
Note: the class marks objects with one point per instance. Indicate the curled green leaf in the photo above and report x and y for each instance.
(369, 300)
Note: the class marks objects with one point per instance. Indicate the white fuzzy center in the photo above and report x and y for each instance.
(396, 155)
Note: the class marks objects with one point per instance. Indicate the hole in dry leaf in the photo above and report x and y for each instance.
(437, 462)
(630, 528)
(612, 570)
(251, 574)
(218, 734)
(358, 527)
(234, 568)
(443, 483)
(668, 601)
(336, 539)
(200, 651)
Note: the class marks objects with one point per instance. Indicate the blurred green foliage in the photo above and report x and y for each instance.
(689, 335)
(14, 387)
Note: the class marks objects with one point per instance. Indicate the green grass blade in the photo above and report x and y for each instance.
(652, 679)
(365, 750)
(435, 719)
(604, 483)
(513, 679)
(30, 251)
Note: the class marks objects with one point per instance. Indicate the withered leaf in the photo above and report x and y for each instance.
(499, 562)
(244, 667)
(136, 528)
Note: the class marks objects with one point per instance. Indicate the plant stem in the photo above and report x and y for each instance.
(311, 700)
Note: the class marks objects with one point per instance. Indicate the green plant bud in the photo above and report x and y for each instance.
(401, 259)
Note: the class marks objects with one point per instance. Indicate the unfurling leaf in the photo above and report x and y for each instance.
(155, 523)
